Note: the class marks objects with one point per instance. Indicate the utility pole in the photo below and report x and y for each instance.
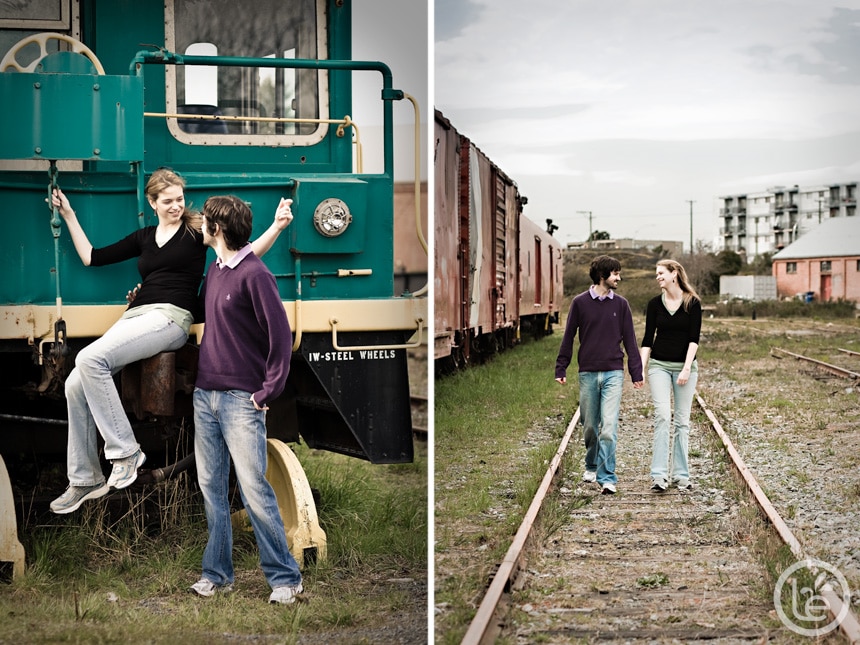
(691, 202)
(590, 233)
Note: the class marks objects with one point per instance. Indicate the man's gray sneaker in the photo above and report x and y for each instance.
(125, 470)
(206, 588)
(71, 500)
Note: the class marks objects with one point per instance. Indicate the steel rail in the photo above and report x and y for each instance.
(840, 611)
(849, 352)
(507, 571)
(833, 369)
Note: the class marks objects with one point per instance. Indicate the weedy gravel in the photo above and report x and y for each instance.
(797, 429)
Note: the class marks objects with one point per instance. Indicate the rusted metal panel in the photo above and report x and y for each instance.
(161, 385)
(478, 221)
(448, 276)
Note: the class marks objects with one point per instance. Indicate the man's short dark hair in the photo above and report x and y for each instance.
(234, 217)
(602, 267)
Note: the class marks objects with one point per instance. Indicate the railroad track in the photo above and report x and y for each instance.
(419, 414)
(828, 367)
(644, 566)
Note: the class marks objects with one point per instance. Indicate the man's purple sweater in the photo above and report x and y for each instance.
(247, 342)
(603, 325)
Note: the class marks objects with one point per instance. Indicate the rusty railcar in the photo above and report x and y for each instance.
(541, 272)
(496, 271)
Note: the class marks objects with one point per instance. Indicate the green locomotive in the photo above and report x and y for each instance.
(251, 99)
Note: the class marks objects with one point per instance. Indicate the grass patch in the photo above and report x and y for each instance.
(94, 578)
(497, 427)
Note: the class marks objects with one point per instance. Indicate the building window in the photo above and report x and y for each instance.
(791, 267)
(825, 266)
(858, 265)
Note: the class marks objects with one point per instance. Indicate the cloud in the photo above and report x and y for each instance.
(451, 17)
(838, 59)
(663, 69)
(632, 109)
(625, 177)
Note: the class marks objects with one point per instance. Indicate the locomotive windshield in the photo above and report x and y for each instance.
(263, 29)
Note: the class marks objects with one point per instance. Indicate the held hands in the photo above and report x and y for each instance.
(562, 380)
(283, 214)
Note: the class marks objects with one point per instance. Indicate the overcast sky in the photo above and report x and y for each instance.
(394, 32)
(630, 108)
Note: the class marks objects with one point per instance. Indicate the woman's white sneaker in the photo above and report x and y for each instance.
(125, 470)
(74, 496)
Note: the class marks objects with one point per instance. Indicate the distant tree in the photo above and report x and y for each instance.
(599, 235)
(701, 268)
(728, 263)
(760, 265)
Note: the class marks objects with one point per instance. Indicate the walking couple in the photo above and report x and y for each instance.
(603, 319)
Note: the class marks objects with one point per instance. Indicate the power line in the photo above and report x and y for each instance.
(590, 233)
(691, 202)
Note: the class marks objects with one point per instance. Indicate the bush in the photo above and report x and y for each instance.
(787, 309)
(637, 274)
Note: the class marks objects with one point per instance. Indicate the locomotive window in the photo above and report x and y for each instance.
(36, 15)
(266, 29)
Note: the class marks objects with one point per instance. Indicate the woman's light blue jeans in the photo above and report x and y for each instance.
(599, 404)
(664, 388)
(226, 424)
(94, 404)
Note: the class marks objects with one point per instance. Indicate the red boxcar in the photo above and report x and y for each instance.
(541, 273)
(496, 271)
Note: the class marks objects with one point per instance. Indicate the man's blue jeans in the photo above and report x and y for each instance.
(226, 424)
(599, 405)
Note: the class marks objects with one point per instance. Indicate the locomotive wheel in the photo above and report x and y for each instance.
(10, 59)
(305, 537)
(11, 550)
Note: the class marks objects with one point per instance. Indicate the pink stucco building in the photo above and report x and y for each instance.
(825, 261)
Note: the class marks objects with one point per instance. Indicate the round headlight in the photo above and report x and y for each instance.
(332, 217)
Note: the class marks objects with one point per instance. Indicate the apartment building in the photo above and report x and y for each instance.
(765, 222)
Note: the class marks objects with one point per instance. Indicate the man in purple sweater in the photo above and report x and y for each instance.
(604, 322)
(243, 365)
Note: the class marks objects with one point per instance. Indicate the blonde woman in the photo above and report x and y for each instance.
(171, 258)
(673, 323)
